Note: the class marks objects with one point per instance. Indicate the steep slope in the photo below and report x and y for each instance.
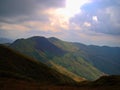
(67, 46)
(78, 65)
(64, 71)
(43, 50)
(106, 59)
(17, 66)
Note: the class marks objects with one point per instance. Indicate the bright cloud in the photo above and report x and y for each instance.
(94, 18)
(87, 24)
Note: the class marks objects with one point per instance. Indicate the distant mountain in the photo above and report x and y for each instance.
(106, 59)
(5, 40)
(14, 65)
(45, 51)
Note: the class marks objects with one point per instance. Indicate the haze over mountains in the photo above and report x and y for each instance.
(5, 40)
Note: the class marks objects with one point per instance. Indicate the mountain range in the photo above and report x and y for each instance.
(104, 58)
(19, 72)
(46, 51)
(86, 61)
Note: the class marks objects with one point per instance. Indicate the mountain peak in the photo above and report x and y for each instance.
(37, 37)
(38, 43)
(53, 38)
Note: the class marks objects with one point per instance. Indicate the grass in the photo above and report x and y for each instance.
(12, 62)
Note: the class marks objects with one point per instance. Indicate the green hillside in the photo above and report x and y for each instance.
(18, 66)
(45, 51)
(75, 60)
(78, 65)
(67, 46)
(104, 58)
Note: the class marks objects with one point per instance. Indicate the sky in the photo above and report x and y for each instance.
(94, 22)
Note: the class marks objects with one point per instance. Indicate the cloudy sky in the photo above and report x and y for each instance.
(86, 21)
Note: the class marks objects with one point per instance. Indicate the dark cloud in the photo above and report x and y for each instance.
(107, 13)
(19, 11)
(109, 21)
(51, 3)
(13, 8)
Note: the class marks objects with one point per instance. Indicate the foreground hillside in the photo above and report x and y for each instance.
(43, 50)
(15, 65)
(104, 83)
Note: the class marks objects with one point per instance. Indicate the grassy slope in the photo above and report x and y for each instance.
(67, 46)
(106, 59)
(41, 55)
(15, 65)
(78, 66)
(72, 63)
(66, 72)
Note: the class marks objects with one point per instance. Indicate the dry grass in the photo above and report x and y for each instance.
(13, 84)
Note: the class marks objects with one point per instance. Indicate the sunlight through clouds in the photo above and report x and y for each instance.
(87, 24)
(62, 18)
(94, 18)
(72, 7)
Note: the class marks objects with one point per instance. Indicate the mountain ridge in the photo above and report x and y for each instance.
(67, 59)
(105, 58)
